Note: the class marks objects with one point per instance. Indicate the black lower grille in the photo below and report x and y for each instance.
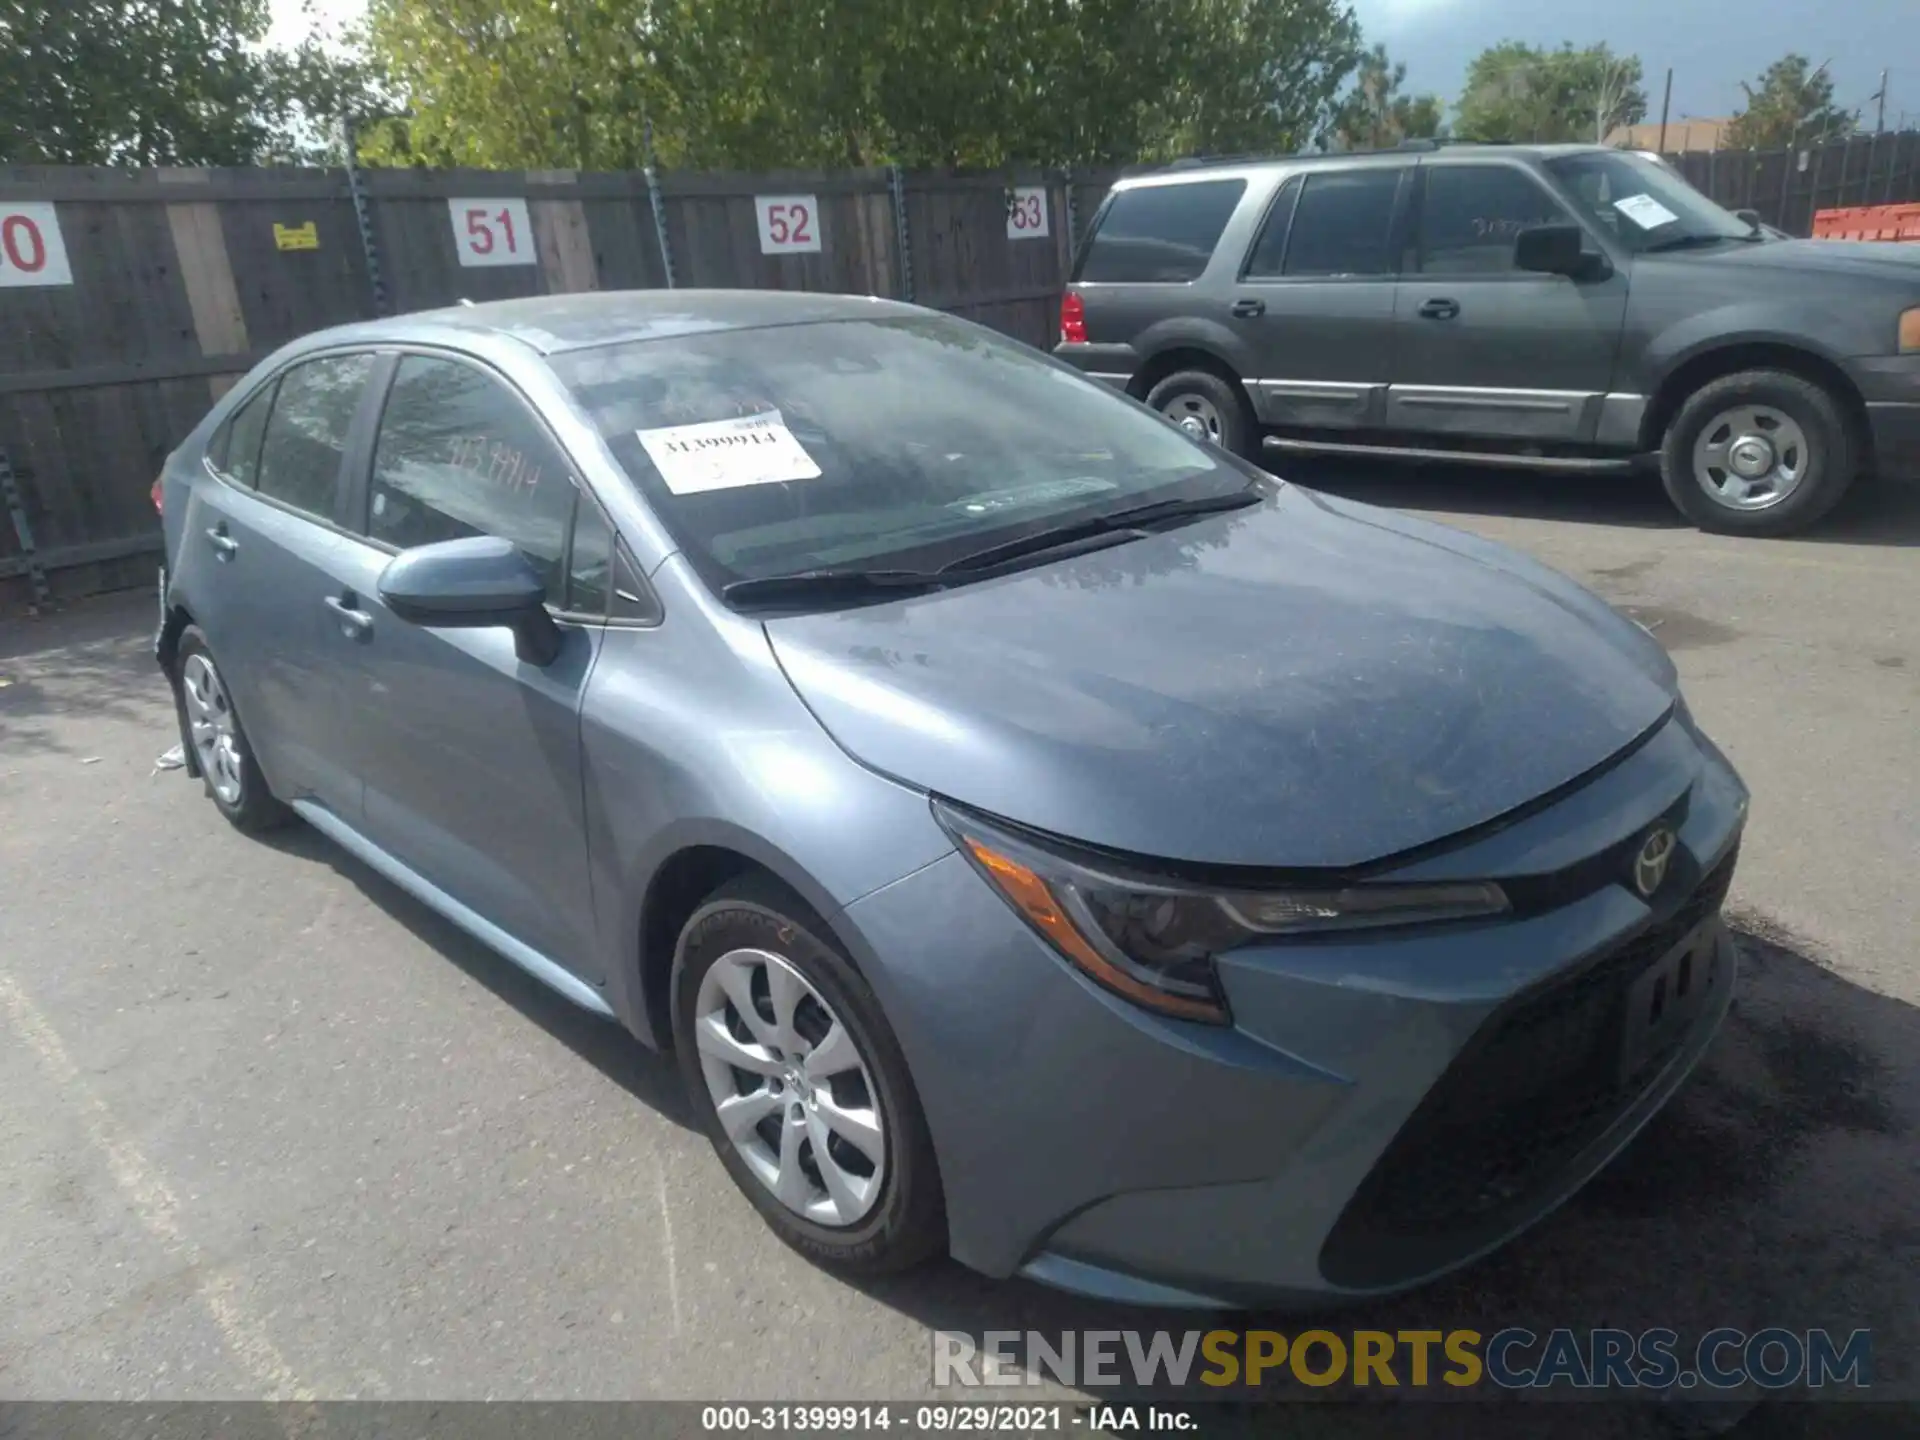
(1538, 1084)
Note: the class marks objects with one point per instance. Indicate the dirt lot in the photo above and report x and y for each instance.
(269, 1128)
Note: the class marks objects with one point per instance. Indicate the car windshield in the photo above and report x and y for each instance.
(898, 443)
(1646, 205)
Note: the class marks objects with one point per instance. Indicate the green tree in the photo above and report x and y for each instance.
(159, 82)
(766, 83)
(1791, 105)
(1519, 93)
(1375, 115)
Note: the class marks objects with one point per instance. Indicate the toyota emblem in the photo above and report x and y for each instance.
(1650, 865)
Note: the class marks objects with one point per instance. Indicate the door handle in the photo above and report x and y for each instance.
(1439, 309)
(354, 622)
(224, 545)
(1248, 309)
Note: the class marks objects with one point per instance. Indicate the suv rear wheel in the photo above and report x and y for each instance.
(1762, 452)
(1210, 408)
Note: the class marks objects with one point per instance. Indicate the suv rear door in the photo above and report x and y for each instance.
(1480, 347)
(1315, 296)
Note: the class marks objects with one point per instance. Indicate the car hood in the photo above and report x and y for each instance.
(1305, 683)
(1832, 257)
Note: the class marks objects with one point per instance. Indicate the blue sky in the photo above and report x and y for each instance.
(1712, 45)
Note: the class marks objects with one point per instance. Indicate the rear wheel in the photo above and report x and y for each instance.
(1210, 408)
(801, 1085)
(1762, 452)
(210, 728)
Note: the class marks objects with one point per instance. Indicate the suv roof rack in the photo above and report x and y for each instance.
(1199, 162)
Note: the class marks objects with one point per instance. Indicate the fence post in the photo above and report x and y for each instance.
(36, 572)
(902, 231)
(363, 216)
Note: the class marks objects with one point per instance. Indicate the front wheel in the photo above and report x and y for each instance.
(1210, 408)
(801, 1085)
(1762, 452)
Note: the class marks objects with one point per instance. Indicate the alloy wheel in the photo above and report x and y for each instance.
(216, 739)
(792, 1091)
(1751, 457)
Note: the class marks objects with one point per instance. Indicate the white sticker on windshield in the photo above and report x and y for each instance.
(1645, 211)
(726, 454)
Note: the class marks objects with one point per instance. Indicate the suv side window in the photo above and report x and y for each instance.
(235, 449)
(306, 435)
(1161, 233)
(459, 454)
(1470, 214)
(1343, 223)
(1270, 248)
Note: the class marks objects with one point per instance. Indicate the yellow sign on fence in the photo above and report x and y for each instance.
(296, 237)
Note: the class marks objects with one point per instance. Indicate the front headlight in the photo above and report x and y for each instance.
(1910, 331)
(1153, 940)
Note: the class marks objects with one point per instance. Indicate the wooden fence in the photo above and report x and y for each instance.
(130, 300)
(1786, 187)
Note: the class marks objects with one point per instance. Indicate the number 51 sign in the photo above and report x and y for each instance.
(492, 232)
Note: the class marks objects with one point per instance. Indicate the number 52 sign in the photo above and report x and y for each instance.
(492, 232)
(789, 224)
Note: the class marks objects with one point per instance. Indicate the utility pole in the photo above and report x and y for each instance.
(1880, 123)
(1666, 102)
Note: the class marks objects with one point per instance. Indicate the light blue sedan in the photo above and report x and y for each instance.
(1043, 837)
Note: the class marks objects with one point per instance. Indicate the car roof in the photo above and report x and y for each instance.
(1218, 167)
(551, 324)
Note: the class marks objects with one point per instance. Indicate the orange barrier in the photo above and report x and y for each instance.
(1868, 222)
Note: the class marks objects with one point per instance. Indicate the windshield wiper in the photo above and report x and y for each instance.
(1116, 524)
(809, 584)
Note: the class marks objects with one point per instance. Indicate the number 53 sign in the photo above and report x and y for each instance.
(492, 232)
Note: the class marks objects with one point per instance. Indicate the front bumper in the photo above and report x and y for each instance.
(1094, 1146)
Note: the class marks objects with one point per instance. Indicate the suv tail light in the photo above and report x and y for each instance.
(155, 492)
(1073, 320)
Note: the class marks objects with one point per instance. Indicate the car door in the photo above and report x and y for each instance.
(1482, 348)
(1316, 294)
(470, 758)
(254, 567)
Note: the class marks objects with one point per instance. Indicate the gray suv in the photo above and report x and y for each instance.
(1547, 307)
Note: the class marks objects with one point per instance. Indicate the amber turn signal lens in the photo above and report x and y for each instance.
(1910, 331)
(1031, 896)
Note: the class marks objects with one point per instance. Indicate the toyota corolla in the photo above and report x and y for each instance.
(1043, 837)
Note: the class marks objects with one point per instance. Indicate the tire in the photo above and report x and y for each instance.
(211, 732)
(1209, 407)
(1827, 461)
(903, 1221)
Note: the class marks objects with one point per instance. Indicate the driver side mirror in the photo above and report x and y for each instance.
(1749, 217)
(477, 583)
(1556, 250)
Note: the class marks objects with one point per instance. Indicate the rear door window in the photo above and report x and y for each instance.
(1343, 224)
(235, 451)
(1161, 234)
(306, 435)
(1270, 248)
